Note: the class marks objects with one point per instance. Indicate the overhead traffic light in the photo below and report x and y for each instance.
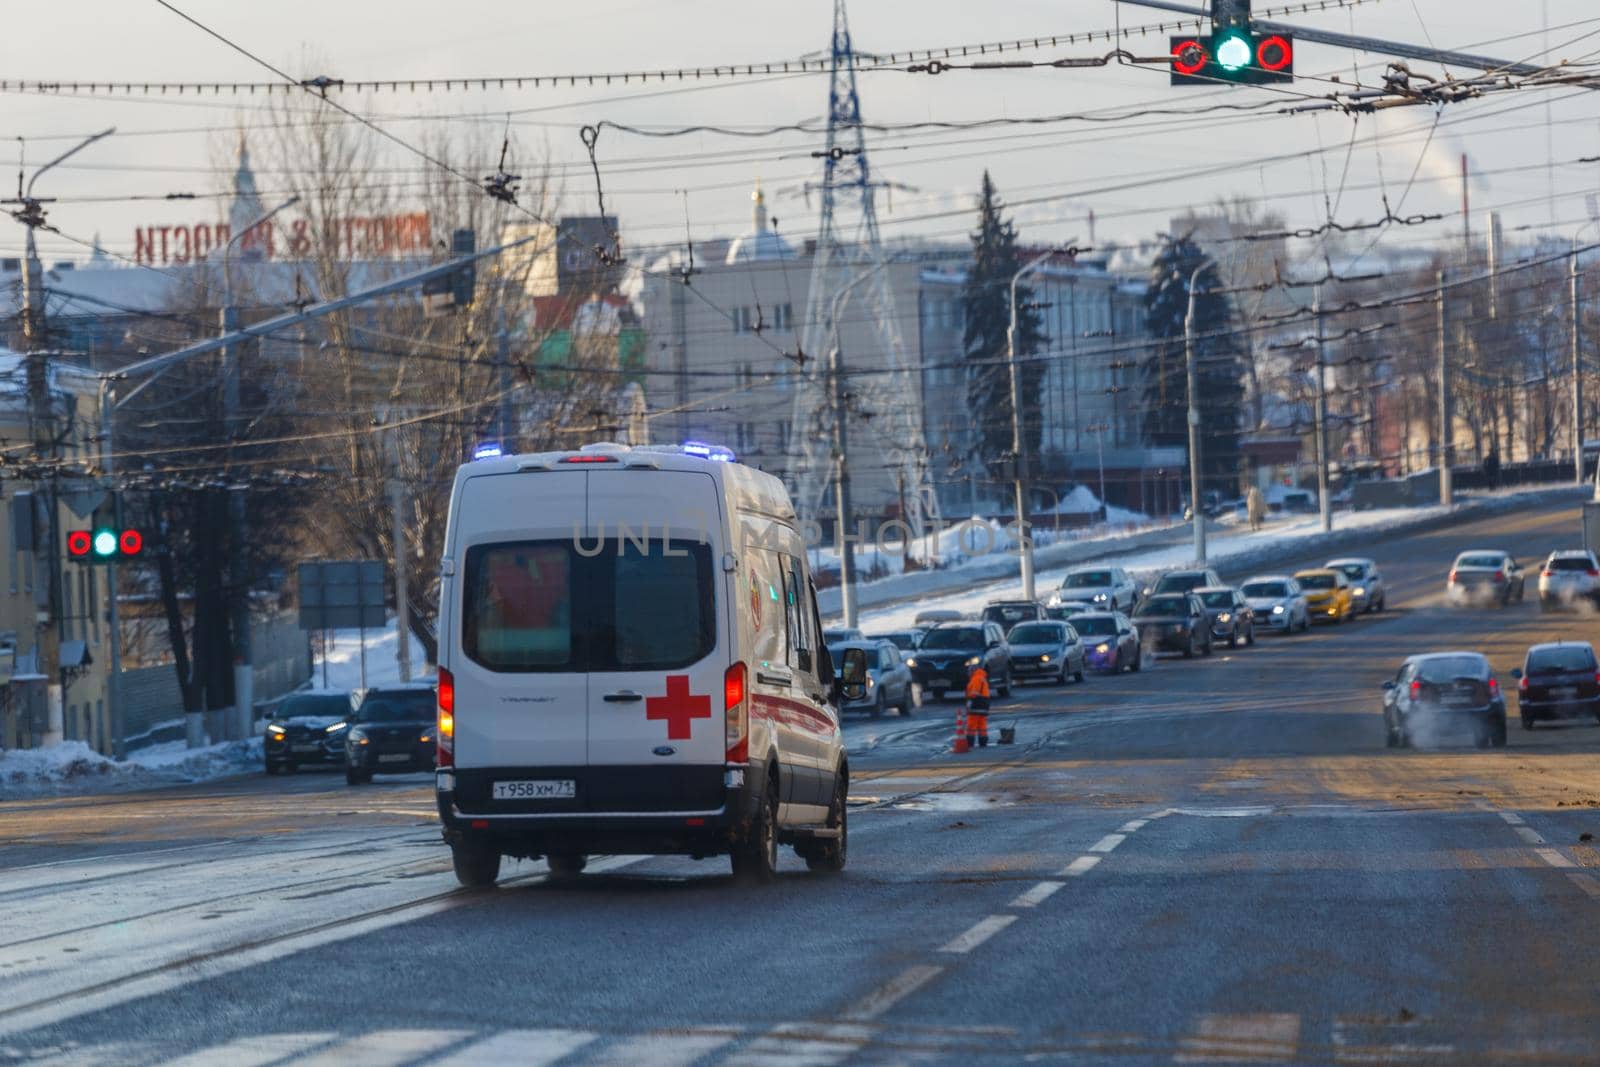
(104, 544)
(1234, 54)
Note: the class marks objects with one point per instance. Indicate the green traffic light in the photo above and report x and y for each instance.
(1234, 53)
(105, 543)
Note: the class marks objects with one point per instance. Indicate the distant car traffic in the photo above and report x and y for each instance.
(1061, 610)
(888, 681)
(306, 729)
(1174, 622)
(1487, 575)
(1110, 640)
(391, 732)
(1232, 619)
(904, 640)
(1558, 681)
(949, 650)
(839, 634)
(1327, 594)
(1107, 588)
(1007, 613)
(1186, 581)
(1049, 651)
(934, 616)
(1367, 587)
(1569, 578)
(1434, 696)
(1278, 602)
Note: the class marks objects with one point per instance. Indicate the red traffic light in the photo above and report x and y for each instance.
(1189, 57)
(79, 542)
(131, 542)
(104, 544)
(1275, 53)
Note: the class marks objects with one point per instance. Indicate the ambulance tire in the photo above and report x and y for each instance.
(828, 856)
(755, 859)
(476, 866)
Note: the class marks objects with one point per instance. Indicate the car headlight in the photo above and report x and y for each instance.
(1277, 609)
(1359, 590)
(1102, 649)
(911, 661)
(358, 736)
(336, 727)
(871, 681)
(973, 661)
(426, 739)
(1044, 658)
(1223, 617)
(275, 731)
(1099, 597)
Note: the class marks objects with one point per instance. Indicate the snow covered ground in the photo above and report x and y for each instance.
(382, 665)
(74, 768)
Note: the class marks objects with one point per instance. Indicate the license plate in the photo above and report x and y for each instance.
(395, 757)
(305, 748)
(938, 683)
(548, 789)
(1564, 692)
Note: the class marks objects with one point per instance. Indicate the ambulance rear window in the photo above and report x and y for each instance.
(518, 611)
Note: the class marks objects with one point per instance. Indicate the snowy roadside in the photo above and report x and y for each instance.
(1235, 549)
(73, 768)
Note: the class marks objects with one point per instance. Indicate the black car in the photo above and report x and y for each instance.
(1110, 641)
(308, 728)
(1444, 693)
(1558, 681)
(1232, 618)
(1187, 581)
(950, 650)
(390, 733)
(1174, 622)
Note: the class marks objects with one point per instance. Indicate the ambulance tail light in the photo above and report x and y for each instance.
(736, 706)
(447, 719)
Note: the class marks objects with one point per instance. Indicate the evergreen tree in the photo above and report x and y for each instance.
(985, 300)
(1219, 362)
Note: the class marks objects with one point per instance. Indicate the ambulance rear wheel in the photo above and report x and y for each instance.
(476, 866)
(755, 859)
(828, 855)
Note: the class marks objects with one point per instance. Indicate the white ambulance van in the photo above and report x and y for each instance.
(630, 661)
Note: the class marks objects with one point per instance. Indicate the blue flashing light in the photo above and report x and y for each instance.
(488, 450)
(715, 453)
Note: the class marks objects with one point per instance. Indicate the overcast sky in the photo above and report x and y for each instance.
(1106, 168)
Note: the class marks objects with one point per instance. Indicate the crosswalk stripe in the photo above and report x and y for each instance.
(803, 1045)
(1529, 834)
(1553, 858)
(256, 1051)
(384, 1048)
(1586, 883)
(1267, 1038)
(661, 1048)
(528, 1048)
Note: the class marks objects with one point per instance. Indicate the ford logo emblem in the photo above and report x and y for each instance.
(664, 750)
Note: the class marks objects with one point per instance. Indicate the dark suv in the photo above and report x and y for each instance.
(308, 728)
(391, 732)
(1174, 622)
(1558, 681)
(948, 651)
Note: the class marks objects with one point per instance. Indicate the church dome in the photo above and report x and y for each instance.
(761, 243)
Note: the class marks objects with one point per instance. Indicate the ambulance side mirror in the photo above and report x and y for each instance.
(853, 674)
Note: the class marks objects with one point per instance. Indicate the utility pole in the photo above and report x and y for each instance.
(1573, 278)
(502, 362)
(402, 606)
(1446, 416)
(1018, 438)
(239, 569)
(1194, 421)
(29, 210)
(1324, 503)
(841, 491)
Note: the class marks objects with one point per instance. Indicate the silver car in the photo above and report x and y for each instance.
(1107, 588)
(1048, 651)
(1278, 602)
(1567, 578)
(888, 678)
(1366, 582)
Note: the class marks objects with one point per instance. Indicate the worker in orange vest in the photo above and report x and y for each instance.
(978, 707)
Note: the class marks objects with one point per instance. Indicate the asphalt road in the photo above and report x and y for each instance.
(1210, 861)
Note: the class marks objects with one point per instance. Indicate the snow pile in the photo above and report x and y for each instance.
(73, 767)
(383, 664)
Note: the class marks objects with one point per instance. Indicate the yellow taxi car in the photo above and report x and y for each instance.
(1328, 595)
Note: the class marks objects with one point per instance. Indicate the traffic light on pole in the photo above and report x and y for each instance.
(1233, 54)
(104, 544)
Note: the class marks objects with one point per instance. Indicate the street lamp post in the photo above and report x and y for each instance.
(1018, 447)
(1194, 417)
(228, 320)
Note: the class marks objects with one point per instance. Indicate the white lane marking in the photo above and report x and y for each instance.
(660, 1048)
(1221, 813)
(115, 991)
(1133, 827)
(1587, 883)
(893, 992)
(1365, 1040)
(1108, 842)
(1162, 814)
(803, 1045)
(1270, 1038)
(253, 1051)
(384, 1048)
(1529, 834)
(531, 1048)
(1037, 895)
(1080, 866)
(981, 931)
(1553, 858)
(1511, 817)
